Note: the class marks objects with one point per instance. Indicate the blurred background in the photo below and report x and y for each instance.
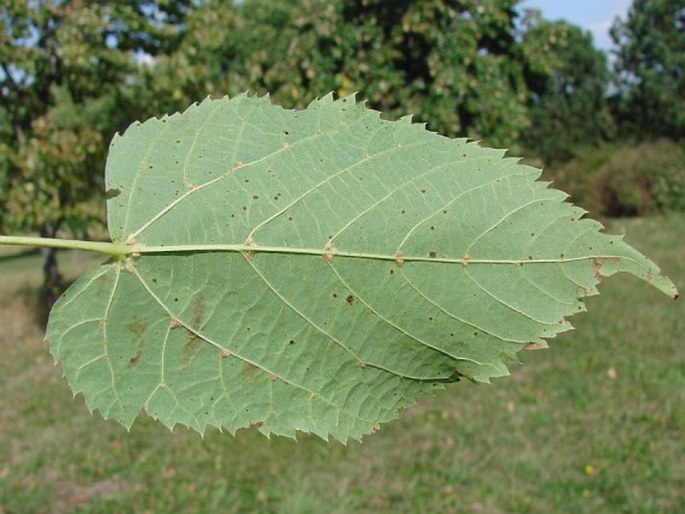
(594, 425)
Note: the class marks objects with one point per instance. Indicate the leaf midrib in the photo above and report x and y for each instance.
(136, 250)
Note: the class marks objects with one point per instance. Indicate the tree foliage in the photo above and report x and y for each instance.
(448, 62)
(567, 79)
(65, 71)
(650, 64)
(65, 67)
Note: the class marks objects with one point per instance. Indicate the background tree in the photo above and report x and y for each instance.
(446, 61)
(64, 72)
(568, 80)
(650, 68)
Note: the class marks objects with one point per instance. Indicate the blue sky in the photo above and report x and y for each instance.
(593, 15)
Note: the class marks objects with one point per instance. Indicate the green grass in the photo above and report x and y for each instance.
(595, 424)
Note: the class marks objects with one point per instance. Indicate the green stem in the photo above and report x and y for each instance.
(115, 249)
(121, 249)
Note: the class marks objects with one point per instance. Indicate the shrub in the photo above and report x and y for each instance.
(623, 180)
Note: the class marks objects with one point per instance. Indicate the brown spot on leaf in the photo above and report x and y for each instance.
(134, 360)
(194, 342)
(350, 299)
(597, 269)
(249, 370)
(112, 192)
(191, 348)
(137, 327)
(237, 165)
(432, 254)
(225, 354)
(101, 282)
(199, 311)
(533, 347)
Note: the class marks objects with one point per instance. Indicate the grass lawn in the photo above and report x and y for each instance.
(596, 424)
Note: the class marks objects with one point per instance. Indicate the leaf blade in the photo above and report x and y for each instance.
(319, 270)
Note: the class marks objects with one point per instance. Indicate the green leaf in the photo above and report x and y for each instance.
(318, 270)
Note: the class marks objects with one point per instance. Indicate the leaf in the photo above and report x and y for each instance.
(318, 270)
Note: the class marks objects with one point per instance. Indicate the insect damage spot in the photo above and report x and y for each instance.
(249, 253)
(127, 265)
(432, 254)
(399, 259)
(350, 299)
(329, 252)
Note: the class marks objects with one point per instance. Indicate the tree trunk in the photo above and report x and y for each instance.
(53, 285)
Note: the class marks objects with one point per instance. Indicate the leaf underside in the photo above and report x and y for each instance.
(318, 270)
